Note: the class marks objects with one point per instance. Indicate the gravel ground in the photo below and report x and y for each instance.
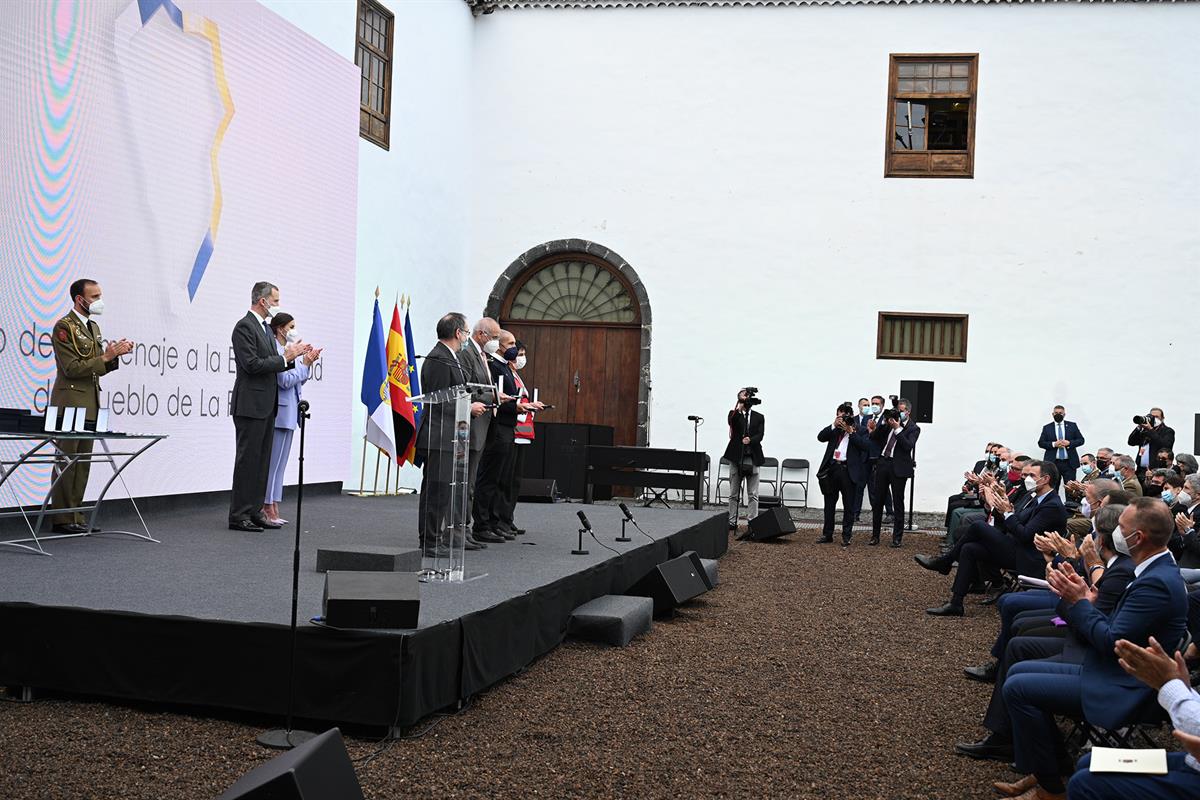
(811, 672)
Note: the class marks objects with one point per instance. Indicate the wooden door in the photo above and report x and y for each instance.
(589, 374)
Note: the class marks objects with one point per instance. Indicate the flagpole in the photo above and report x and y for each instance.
(375, 483)
(362, 472)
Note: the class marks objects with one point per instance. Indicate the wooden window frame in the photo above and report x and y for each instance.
(897, 315)
(930, 163)
(385, 140)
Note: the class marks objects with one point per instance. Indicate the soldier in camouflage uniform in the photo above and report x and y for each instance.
(81, 358)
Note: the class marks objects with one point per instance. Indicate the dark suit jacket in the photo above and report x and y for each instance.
(1189, 543)
(1160, 438)
(902, 455)
(1109, 590)
(1070, 433)
(255, 389)
(737, 430)
(1154, 604)
(506, 413)
(1034, 517)
(440, 370)
(856, 451)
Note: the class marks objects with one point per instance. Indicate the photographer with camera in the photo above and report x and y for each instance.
(1150, 435)
(744, 453)
(843, 468)
(897, 434)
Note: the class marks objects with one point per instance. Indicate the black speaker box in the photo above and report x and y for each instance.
(920, 394)
(319, 769)
(371, 599)
(537, 490)
(770, 524)
(673, 582)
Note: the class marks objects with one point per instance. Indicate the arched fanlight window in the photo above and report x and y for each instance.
(574, 290)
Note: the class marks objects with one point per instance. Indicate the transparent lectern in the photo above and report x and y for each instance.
(444, 442)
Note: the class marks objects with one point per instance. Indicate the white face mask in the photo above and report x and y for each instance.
(492, 347)
(1119, 542)
(1184, 499)
(96, 308)
(272, 310)
(1030, 483)
(1085, 508)
(293, 335)
(520, 362)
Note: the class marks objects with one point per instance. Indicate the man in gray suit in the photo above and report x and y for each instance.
(255, 398)
(484, 341)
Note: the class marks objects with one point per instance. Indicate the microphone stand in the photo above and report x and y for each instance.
(286, 738)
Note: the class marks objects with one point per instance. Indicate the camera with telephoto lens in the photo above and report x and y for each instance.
(889, 413)
(895, 400)
(751, 396)
(1140, 420)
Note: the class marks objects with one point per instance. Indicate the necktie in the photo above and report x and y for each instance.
(1062, 452)
(891, 444)
(267, 328)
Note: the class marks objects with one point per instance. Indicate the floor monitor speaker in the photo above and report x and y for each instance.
(770, 524)
(318, 769)
(673, 582)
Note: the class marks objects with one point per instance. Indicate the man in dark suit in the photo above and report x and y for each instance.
(1187, 517)
(860, 421)
(1099, 690)
(745, 455)
(491, 485)
(875, 449)
(896, 434)
(438, 432)
(1149, 437)
(255, 397)
(474, 357)
(1061, 440)
(843, 468)
(1008, 542)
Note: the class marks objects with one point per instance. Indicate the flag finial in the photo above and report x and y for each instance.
(376, 292)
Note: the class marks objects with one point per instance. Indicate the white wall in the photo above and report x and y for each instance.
(413, 200)
(735, 156)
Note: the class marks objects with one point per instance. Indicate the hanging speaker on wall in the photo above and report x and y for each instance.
(920, 394)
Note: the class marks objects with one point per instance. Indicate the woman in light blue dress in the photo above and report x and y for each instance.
(287, 416)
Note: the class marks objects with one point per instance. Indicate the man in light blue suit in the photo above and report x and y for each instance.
(1154, 604)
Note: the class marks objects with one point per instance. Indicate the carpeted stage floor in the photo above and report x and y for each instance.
(202, 569)
(811, 672)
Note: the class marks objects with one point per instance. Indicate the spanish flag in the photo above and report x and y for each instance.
(399, 389)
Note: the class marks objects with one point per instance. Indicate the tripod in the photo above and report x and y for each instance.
(286, 738)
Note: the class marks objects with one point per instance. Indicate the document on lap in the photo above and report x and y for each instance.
(1117, 759)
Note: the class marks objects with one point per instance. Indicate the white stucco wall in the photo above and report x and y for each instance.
(735, 157)
(413, 200)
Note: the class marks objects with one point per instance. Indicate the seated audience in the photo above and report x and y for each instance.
(1006, 542)
(1098, 690)
(1169, 678)
(1108, 572)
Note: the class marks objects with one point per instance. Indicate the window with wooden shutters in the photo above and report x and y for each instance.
(373, 55)
(922, 337)
(931, 116)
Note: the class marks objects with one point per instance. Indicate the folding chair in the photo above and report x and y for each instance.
(769, 477)
(796, 465)
(723, 468)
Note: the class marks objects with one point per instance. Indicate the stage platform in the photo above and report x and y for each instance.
(202, 618)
